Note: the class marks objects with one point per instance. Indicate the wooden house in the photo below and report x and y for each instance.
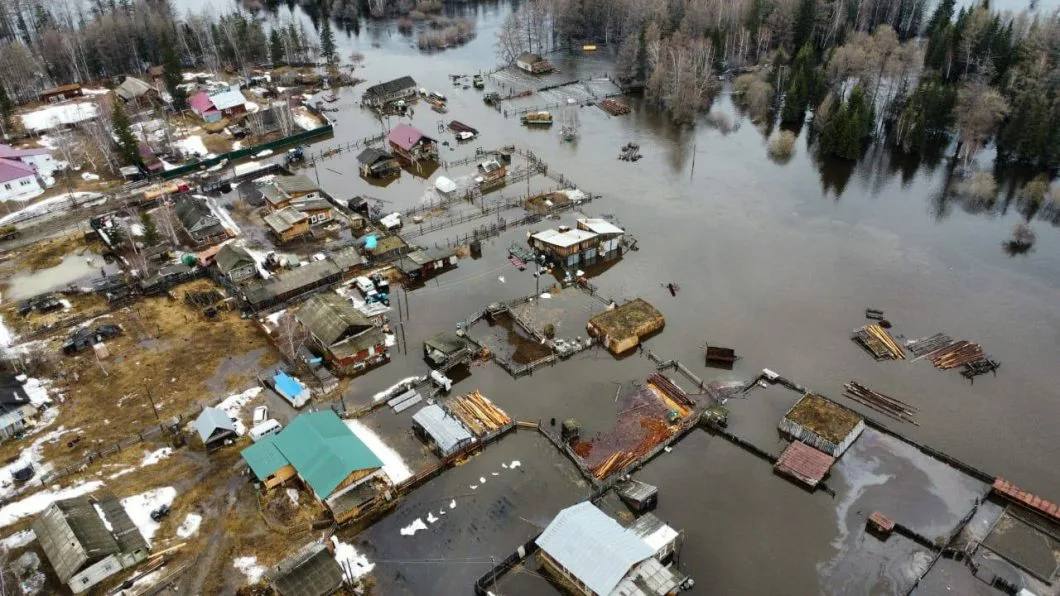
(411, 145)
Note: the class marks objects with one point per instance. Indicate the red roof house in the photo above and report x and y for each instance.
(409, 143)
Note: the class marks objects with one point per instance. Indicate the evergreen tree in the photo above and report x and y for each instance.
(150, 229)
(805, 17)
(847, 130)
(276, 47)
(327, 43)
(128, 147)
(927, 116)
(802, 87)
(172, 77)
(7, 107)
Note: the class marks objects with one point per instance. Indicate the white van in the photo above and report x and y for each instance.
(269, 427)
(365, 285)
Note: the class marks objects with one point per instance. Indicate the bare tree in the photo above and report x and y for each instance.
(980, 109)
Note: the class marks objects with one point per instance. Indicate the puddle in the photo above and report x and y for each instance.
(72, 269)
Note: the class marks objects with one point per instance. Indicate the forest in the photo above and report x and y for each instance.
(924, 77)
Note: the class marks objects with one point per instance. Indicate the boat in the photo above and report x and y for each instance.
(331, 98)
(478, 82)
(519, 263)
(542, 118)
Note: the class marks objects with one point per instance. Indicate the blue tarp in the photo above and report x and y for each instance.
(287, 386)
(371, 242)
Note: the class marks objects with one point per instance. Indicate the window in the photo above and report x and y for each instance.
(7, 187)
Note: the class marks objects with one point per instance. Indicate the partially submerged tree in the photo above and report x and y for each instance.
(980, 109)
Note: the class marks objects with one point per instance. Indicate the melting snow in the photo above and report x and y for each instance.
(222, 215)
(18, 539)
(414, 527)
(189, 526)
(452, 504)
(515, 464)
(349, 559)
(249, 567)
(154, 457)
(395, 388)
(431, 518)
(393, 465)
(233, 406)
(39, 501)
(192, 145)
(292, 494)
(139, 508)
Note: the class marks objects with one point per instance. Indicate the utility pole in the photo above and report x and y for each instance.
(154, 408)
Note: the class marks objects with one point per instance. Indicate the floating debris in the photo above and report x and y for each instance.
(630, 152)
(878, 342)
(923, 346)
(613, 107)
(884, 404)
(980, 367)
(957, 355)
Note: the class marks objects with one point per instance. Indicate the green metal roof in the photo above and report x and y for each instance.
(322, 449)
(264, 458)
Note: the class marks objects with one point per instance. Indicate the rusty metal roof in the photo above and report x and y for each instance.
(804, 463)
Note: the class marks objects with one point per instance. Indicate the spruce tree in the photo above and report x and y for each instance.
(327, 43)
(7, 107)
(150, 229)
(128, 147)
(805, 18)
(172, 76)
(802, 87)
(276, 47)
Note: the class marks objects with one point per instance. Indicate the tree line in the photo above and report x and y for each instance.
(43, 44)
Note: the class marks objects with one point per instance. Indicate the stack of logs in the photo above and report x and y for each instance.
(613, 107)
(880, 343)
(884, 404)
(479, 414)
(957, 354)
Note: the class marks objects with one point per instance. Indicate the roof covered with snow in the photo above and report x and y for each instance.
(228, 99)
(564, 239)
(600, 226)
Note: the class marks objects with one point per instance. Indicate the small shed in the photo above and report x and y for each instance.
(532, 63)
(442, 349)
(312, 571)
(821, 423)
(622, 328)
(214, 427)
(440, 429)
(638, 496)
(445, 186)
(376, 163)
(804, 463)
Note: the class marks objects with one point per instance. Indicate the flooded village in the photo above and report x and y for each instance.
(403, 306)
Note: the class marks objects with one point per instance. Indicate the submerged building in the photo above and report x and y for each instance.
(590, 553)
(822, 424)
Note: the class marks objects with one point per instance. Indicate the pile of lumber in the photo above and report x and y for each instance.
(615, 108)
(617, 461)
(878, 342)
(479, 414)
(671, 390)
(884, 404)
(923, 346)
(956, 355)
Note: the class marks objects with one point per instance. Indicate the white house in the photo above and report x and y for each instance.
(18, 181)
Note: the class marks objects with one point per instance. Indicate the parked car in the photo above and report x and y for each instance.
(261, 413)
(269, 427)
(82, 339)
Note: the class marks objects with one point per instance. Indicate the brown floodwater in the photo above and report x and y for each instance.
(778, 261)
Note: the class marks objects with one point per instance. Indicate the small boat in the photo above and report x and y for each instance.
(478, 82)
(519, 263)
(331, 98)
(542, 118)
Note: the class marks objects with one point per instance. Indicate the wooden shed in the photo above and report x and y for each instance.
(823, 424)
(622, 328)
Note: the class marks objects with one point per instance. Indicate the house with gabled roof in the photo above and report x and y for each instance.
(411, 144)
(324, 454)
(349, 341)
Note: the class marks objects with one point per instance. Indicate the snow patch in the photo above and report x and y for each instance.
(292, 494)
(351, 560)
(39, 501)
(249, 567)
(222, 215)
(431, 518)
(18, 540)
(156, 456)
(393, 465)
(515, 464)
(189, 526)
(233, 406)
(394, 389)
(411, 529)
(139, 508)
(58, 204)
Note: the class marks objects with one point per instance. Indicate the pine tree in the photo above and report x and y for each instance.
(172, 77)
(7, 107)
(150, 229)
(128, 147)
(805, 18)
(276, 47)
(927, 116)
(327, 43)
(802, 87)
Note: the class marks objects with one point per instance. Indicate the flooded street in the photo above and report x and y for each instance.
(778, 261)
